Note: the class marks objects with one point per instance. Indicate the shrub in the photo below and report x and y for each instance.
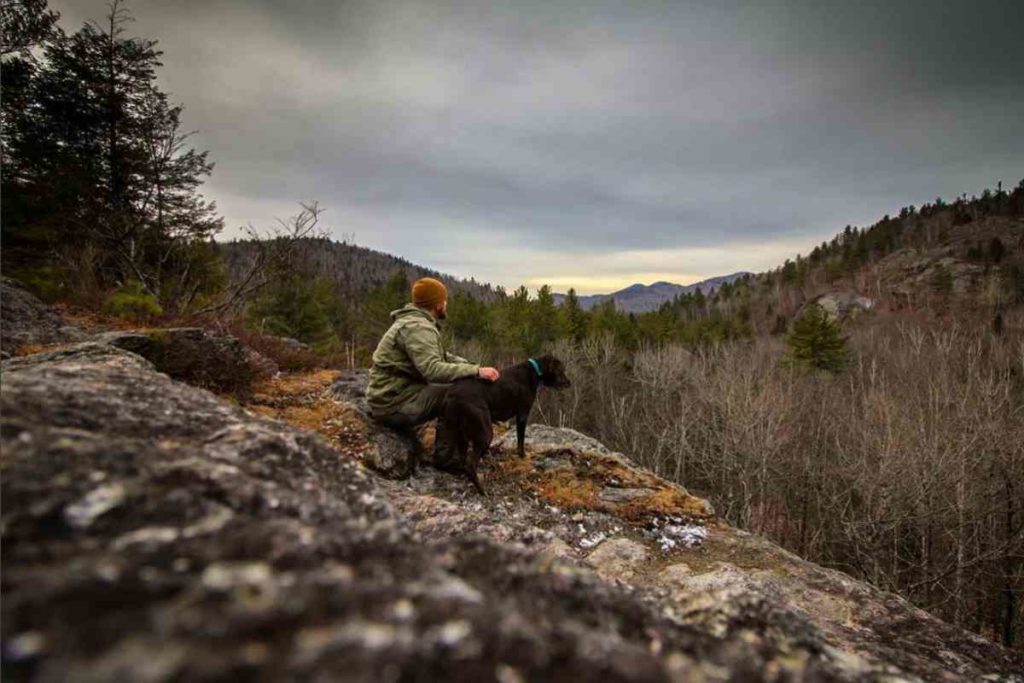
(285, 356)
(941, 280)
(132, 302)
(298, 307)
(46, 282)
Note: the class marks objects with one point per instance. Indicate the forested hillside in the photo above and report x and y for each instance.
(354, 269)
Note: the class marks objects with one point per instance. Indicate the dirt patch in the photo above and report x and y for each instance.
(293, 385)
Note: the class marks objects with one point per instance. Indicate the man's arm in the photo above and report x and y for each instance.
(452, 358)
(489, 374)
(423, 344)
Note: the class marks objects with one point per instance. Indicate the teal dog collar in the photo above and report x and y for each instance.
(536, 366)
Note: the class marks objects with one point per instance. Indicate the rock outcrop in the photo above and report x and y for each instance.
(27, 321)
(843, 305)
(389, 452)
(153, 531)
(192, 355)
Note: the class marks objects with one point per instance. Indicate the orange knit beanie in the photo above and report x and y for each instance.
(428, 292)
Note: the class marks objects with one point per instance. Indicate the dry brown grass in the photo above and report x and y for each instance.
(29, 349)
(93, 320)
(302, 399)
(667, 502)
(577, 486)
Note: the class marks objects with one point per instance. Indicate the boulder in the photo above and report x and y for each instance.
(842, 305)
(541, 438)
(260, 365)
(25, 320)
(389, 452)
(190, 354)
(289, 343)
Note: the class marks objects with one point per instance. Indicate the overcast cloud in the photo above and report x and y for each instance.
(591, 144)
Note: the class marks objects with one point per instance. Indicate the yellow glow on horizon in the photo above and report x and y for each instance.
(606, 285)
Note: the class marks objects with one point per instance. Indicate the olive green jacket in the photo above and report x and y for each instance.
(409, 356)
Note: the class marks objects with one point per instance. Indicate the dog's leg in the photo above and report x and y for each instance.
(521, 435)
(414, 459)
(471, 466)
(480, 441)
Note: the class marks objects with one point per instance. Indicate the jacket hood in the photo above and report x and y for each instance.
(411, 309)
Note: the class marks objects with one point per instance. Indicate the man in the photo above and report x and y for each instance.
(411, 370)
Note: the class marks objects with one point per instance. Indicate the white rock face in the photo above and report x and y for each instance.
(541, 438)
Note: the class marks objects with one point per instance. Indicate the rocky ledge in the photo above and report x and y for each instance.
(154, 531)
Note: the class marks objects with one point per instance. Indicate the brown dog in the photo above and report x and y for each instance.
(472, 405)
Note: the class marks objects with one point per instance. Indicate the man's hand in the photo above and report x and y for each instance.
(489, 374)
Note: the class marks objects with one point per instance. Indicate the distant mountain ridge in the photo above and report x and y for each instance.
(359, 269)
(641, 298)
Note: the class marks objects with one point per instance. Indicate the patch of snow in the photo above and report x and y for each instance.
(681, 535)
(593, 540)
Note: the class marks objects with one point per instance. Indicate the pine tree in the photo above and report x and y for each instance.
(95, 163)
(375, 311)
(941, 280)
(467, 318)
(544, 325)
(298, 307)
(816, 341)
(26, 24)
(575, 316)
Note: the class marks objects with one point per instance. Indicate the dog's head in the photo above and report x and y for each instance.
(552, 372)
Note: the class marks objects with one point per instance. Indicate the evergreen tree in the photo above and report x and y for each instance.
(816, 341)
(298, 307)
(375, 311)
(467, 318)
(544, 321)
(95, 163)
(26, 24)
(575, 316)
(941, 280)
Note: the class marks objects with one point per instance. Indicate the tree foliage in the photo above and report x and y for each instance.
(816, 341)
(95, 162)
(298, 308)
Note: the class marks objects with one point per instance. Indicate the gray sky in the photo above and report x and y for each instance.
(586, 143)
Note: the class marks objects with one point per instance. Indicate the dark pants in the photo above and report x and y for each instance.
(424, 407)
